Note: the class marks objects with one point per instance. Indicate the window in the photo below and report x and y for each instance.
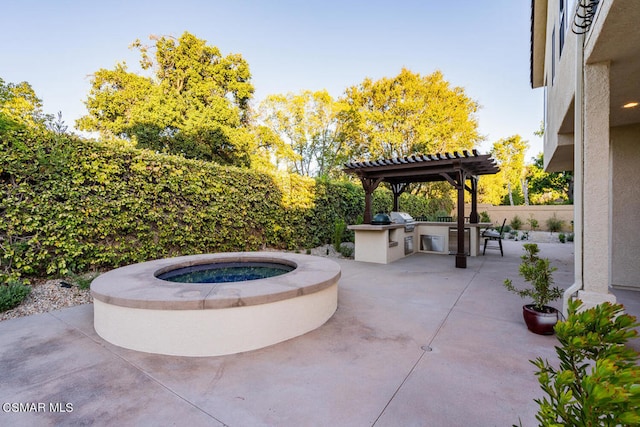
(553, 55)
(545, 111)
(563, 24)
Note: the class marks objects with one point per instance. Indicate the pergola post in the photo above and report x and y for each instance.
(398, 189)
(461, 255)
(473, 215)
(369, 185)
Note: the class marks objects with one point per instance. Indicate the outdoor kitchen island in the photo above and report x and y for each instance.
(384, 244)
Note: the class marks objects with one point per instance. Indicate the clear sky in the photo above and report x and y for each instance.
(482, 46)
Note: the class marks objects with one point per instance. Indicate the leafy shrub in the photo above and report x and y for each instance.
(570, 237)
(484, 217)
(346, 251)
(12, 294)
(554, 223)
(533, 223)
(71, 205)
(596, 382)
(562, 237)
(516, 223)
(68, 204)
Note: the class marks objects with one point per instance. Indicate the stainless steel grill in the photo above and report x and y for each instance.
(403, 218)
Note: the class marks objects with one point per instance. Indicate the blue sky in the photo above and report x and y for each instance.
(290, 46)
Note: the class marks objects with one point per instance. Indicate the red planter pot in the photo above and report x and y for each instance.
(540, 322)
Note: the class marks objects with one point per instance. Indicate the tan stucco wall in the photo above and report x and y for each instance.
(539, 212)
(214, 332)
(596, 183)
(558, 138)
(625, 250)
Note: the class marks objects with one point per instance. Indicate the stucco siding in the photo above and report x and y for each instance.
(560, 77)
(596, 181)
(625, 144)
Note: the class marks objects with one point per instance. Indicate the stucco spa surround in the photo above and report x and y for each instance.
(135, 309)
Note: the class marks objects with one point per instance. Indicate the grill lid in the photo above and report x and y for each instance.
(401, 218)
(381, 219)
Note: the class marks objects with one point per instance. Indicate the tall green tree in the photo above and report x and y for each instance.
(193, 101)
(407, 114)
(548, 187)
(307, 122)
(19, 103)
(506, 184)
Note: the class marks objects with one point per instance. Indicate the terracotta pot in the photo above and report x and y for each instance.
(540, 322)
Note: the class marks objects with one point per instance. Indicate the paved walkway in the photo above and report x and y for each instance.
(414, 343)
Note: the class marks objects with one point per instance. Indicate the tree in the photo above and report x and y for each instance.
(195, 103)
(307, 121)
(407, 114)
(547, 187)
(509, 154)
(491, 189)
(270, 149)
(20, 104)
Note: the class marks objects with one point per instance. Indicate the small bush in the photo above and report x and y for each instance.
(533, 223)
(83, 281)
(12, 294)
(570, 237)
(484, 217)
(562, 237)
(338, 234)
(516, 223)
(507, 228)
(554, 223)
(346, 251)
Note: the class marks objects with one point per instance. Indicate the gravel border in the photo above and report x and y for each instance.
(48, 296)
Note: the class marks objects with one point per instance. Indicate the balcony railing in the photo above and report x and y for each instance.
(584, 16)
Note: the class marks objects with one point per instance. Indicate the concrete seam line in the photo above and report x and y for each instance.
(428, 344)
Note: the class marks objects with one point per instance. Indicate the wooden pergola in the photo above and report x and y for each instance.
(455, 168)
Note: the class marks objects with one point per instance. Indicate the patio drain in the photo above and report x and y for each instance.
(426, 348)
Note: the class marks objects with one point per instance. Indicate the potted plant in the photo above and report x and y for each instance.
(539, 317)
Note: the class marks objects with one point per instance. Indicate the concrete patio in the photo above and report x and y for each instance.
(414, 343)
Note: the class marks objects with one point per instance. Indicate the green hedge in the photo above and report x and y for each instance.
(69, 204)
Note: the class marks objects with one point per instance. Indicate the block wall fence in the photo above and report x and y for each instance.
(538, 212)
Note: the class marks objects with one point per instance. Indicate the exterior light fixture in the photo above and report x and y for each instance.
(630, 105)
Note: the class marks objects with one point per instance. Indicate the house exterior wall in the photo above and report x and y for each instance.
(596, 180)
(625, 192)
(588, 131)
(559, 71)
